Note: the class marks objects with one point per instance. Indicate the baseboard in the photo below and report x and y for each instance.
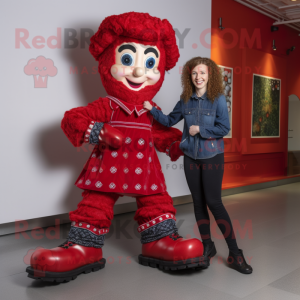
(27, 225)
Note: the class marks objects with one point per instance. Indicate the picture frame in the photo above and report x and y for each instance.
(265, 112)
(227, 75)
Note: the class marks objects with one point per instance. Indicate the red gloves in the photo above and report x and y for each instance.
(110, 136)
(174, 151)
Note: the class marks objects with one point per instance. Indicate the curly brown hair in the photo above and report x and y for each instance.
(214, 84)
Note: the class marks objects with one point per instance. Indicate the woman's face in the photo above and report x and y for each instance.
(200, 76)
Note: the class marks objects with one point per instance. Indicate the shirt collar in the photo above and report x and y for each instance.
(129, 107)
(202, 97)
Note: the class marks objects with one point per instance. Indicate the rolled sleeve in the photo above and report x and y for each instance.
(222, 125)
(168, 120)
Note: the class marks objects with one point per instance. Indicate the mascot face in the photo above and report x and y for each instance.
(133, 51)
(132, 70)
(136, 65)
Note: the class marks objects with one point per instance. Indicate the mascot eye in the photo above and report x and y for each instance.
(127, 59)
(150, 62)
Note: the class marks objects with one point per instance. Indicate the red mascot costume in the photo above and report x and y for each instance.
(133, 50)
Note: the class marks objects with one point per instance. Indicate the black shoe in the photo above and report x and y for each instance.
(238, 262)
(209, 251)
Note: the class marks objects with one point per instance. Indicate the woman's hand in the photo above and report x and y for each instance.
(147, 105)
(194, 130)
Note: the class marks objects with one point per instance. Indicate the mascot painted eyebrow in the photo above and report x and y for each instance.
(133, 50)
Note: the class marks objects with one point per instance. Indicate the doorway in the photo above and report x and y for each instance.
(293, 136)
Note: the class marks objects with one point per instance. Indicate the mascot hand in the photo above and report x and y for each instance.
(174, 151)
(110, 136)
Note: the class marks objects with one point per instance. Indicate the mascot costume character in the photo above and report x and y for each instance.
(133, 51)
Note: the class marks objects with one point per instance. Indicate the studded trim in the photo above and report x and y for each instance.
(88, 132)
(155, 221)
(89, 227)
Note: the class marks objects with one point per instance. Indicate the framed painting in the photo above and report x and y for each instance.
(265, 107)
(227, 75)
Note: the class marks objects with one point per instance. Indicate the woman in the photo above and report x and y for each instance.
(203, 106)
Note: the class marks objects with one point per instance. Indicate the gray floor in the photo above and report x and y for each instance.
(271, 245)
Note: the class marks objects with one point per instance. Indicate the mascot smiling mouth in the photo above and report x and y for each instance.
(134, 84)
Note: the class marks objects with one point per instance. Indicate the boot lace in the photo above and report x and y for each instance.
(66, 244)
(175, 236)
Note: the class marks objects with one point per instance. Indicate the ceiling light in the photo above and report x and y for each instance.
(220, 24)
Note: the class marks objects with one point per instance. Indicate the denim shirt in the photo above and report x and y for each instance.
(212, 119)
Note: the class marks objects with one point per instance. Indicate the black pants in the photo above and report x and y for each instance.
(204, 178)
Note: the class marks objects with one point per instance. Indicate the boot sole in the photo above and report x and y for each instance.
(196, 262)
(60, 277)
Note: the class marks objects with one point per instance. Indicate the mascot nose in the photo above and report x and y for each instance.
(138, 72)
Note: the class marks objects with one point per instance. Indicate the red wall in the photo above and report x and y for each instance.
(246, 157)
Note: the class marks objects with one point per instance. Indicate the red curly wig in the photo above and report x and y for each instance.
(139, 28)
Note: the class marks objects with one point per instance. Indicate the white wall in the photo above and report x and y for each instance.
(38, 164)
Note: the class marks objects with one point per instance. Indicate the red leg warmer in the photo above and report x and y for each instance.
(96, 208)
(152, 206)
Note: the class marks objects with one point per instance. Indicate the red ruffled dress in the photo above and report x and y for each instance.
(133, 169)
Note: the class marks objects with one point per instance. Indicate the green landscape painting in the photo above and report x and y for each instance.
(265, 106)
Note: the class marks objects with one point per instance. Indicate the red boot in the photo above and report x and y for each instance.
(70, 259)
(171, 252)
(64, 262)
